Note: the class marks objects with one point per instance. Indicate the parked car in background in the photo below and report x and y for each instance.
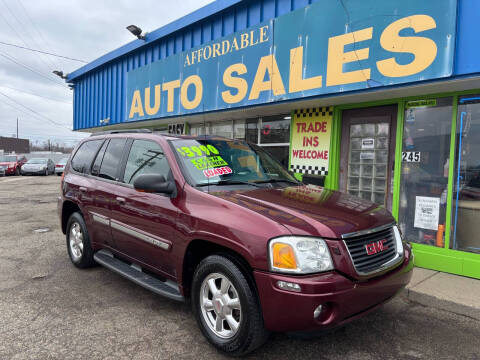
(38, 166)
(2, 171)
(221, 222)
(60, 166)
(11, 164)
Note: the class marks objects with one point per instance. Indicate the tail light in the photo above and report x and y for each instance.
(58, 166)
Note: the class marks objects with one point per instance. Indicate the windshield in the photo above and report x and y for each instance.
(62, 161)
(8, 158)
(37, 161)
(214, 161)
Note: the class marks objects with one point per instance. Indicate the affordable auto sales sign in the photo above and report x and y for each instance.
(328, 47)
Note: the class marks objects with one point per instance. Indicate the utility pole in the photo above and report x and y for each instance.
(17, 127)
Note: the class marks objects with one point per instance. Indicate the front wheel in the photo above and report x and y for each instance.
(226, 307)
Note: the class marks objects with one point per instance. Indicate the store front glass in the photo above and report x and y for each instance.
(425, 168)
(466, 196)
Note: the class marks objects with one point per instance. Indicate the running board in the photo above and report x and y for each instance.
(134, 273)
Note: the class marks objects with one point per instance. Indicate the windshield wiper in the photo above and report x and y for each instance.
(276, 181)
(230, 182)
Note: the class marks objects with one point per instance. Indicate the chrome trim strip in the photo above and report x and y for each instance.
(100, 219)
(139, 235)
(399, 253)
(368, 231)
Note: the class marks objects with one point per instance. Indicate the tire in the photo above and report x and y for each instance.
(59, 174)
(79, 249)
(46, 172)
(250, 333)
(17, 171)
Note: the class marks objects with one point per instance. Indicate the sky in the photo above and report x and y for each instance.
(79, 29)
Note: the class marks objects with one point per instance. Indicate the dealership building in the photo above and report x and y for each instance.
(379, 99)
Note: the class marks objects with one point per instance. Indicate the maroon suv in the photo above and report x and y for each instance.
(222, 223)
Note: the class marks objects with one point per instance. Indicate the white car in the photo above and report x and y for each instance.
(38, 166)
(60, 166)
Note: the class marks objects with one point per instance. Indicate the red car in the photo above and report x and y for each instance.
(220, 222)
(12, 163)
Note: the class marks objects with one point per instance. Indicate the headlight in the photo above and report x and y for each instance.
(398, 239)
(299, 255)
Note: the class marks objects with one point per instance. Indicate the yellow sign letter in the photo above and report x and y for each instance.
(337, 57)
(275, 83)
(136, 106)
(297, 82)
(235, 82)
(156, 106)
(197, 82)
(424, 49)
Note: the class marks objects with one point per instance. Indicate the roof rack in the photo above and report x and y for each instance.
(108, 132)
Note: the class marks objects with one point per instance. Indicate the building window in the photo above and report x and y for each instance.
(466, 197)
(275, 129)
(424, 176)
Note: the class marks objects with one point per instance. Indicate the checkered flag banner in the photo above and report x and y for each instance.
(318, 111)
(309, 170)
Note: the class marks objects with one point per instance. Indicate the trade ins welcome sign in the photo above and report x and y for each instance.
(330, 46)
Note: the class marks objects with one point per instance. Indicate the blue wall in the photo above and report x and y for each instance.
(467, 59)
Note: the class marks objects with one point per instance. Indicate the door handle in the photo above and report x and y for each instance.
(120, 200)
(83, 189)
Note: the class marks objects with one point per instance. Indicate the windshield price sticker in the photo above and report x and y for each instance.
(217, 171)
(203, 163)
(200, 150)
(411, 156)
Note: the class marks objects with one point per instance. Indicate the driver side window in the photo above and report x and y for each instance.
(146, 157)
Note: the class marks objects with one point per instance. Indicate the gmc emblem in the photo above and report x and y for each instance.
(376, 247)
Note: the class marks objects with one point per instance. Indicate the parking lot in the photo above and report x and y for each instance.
(51, 310)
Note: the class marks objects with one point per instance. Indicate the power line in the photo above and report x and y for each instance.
(43, 52)
(31, 93)
(35, 27)
(33, 111)
(28, 35)
(32, 70)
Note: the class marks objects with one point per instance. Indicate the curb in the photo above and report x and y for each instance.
(442, 304)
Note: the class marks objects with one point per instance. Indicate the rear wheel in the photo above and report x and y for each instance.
(78, 242)
(226, 307)
(46, 172)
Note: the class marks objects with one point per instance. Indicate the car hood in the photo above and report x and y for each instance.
(312, 210)
(35, 165)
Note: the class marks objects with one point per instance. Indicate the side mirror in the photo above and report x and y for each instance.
(154, 183)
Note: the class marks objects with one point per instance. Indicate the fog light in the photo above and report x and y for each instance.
(285, 285)
(317, 311)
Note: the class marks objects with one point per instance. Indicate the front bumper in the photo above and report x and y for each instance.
(343, 299)
(33, 172)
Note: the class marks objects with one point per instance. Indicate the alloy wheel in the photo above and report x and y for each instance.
(76, 241)
(220, 305)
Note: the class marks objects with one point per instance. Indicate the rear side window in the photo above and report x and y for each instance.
(83, 157)
(111, 159)
(146, 157)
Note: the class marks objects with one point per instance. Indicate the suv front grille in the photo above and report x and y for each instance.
(371, 250)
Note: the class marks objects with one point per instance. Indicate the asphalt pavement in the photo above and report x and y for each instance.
(51, 310)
